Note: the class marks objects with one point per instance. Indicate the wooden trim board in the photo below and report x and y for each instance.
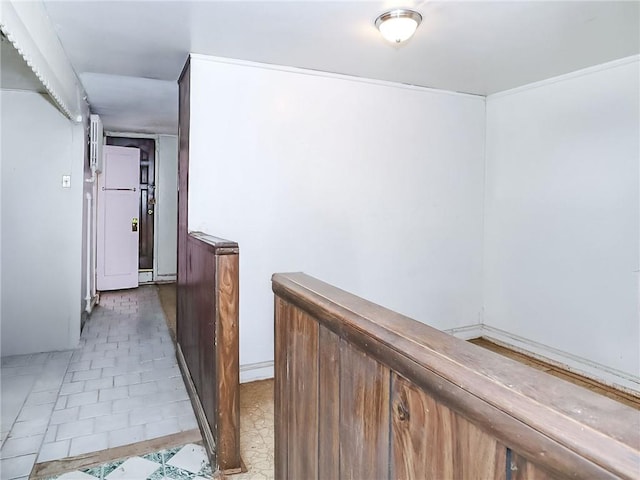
(559, 372)
(587, 368)
(55, 468)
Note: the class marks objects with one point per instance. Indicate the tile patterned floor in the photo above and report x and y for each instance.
(30, 385)
(121, 386)
(188, 462)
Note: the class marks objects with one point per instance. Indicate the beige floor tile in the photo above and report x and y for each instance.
(256, 430)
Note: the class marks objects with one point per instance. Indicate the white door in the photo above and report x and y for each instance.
(117, 223)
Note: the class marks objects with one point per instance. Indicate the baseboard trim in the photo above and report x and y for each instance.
(145, 277)
(573, 363)
(467, 332)
(252, 372)
(165, 278)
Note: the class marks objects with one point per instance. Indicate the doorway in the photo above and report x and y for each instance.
(117, 219)
(147, 199)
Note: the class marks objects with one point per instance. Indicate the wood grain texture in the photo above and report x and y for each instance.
(522, 469)
(558, 370)
(328, 404)
(280, 389)
(207, 323)
(550, 422)
(184, 120)
(430, 441)
(364, 424)
(303, 396)
(203, 423)
(201, 357)
(479, 455)
(227, 362)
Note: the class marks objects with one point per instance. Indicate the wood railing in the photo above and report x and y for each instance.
(362, 392)
(207, 335)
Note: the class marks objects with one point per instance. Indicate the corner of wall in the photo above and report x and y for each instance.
(481, 314)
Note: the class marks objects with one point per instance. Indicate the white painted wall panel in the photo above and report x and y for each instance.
(41, 225)
(375, 188)
(562, 215)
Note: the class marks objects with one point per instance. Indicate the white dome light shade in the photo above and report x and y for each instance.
(398, 25)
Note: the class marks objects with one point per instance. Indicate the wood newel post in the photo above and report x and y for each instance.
(227, 359)
(208, 343)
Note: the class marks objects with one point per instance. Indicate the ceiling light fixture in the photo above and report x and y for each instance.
(398, 25)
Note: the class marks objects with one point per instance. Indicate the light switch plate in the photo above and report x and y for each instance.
(66, 181)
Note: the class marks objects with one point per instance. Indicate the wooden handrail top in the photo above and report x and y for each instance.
(220, 245)
(596, 427)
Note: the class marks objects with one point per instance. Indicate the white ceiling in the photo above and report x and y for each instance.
(129, 54)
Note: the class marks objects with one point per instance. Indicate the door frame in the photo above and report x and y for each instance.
(156, 138)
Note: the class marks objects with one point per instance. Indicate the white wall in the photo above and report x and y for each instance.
(167, 207)
(376, 188)
(562, 214)
(41, 225)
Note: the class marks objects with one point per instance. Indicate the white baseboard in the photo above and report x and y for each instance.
(573, 363)
(145, 276)
(165, 278)
(251, 372)
(466, 333)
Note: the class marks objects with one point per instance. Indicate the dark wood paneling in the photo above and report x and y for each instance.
(456, 410)
(207, 325)
(479, 456)
(521, 469)
(201, 274)
(328, 404)
(430, 441)
(184, 119)
(556, 425)
(364, 425)
(303, 396)
(282, 313)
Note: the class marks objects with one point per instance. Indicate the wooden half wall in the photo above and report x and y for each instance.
(208, 346)
(362, 392)
(207, 316)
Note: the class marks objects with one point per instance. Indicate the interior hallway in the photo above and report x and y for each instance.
(121, 386)
(119, 394)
